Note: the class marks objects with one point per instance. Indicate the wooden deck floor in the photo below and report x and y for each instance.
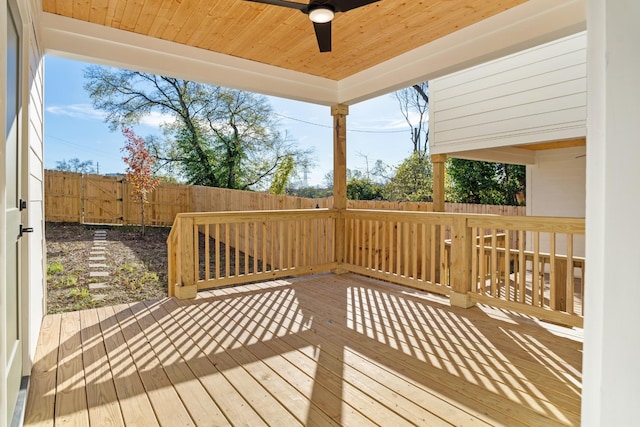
(325, 350)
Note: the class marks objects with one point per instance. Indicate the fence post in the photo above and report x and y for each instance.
(186, 288)
(461, 263)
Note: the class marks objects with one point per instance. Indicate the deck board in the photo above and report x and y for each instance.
(322, 350)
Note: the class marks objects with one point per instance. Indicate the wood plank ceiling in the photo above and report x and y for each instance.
(284, 37)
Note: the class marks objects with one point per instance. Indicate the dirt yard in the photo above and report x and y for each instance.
(136, 266)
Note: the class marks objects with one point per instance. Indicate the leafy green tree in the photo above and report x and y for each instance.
(363, 189)
(282, 176)
(213, 136)
(485, 182)
(413, 180)
(75, 165)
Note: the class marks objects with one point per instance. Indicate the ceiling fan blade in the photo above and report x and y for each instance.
(345, 5)
(323, 35)
(304, 8)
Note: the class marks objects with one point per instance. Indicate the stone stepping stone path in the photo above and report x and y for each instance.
(97, 265)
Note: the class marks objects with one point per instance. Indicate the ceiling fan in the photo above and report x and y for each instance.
(321, 13)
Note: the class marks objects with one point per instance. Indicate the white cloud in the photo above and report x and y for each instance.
(156, 119)
(77, 111)
(87, 112)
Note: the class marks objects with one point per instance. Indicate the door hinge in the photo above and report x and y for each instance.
(24, 229)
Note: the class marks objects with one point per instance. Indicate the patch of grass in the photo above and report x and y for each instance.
(126, 269)
(81, 298)
(58, 281)
(54, 267)
(80, 293)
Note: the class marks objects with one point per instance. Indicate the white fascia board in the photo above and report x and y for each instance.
(529, 24)
(511, 155)
(84, 41)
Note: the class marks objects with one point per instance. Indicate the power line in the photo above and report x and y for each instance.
(331, 127)
(75, 144)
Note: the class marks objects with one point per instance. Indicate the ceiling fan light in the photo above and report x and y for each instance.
(321, 15)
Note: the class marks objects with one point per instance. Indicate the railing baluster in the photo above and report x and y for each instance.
(483, 260)
(289, 246)
(582, 285)
(370, 246)
(445, 256)
(196, 253)
(536, 270)
(299, 243)
(522, 263)
(281, 245)
(376, 258)
(384, 253)
(263, 246)
(399, 246)
(555, 301)
(432, 255)
(413, 232)
(217, 250)
(474, 258)
(254, 233)
(207, 255)
(247, 248)
(423, 248)
(507, 265)
(569, 278)
(237, 248)
(227, 251)
(495, 291)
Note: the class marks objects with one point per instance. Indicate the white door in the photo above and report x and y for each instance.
(13, 355)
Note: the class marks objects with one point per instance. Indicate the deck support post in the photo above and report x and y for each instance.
(339, 113)
(438, 205)
(438, 181)
(187, 288)
(460, 264)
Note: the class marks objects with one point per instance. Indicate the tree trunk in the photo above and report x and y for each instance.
(142, 214)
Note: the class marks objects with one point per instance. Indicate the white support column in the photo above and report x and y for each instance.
(611, 382)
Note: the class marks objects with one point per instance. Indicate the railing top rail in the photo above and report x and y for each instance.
(260, 215)
(388, 215)
(529, 223)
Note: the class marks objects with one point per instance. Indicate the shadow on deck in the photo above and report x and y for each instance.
(320, 350)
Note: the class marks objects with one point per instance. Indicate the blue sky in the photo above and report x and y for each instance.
(73, 129)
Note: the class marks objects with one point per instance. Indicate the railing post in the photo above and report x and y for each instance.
(461, 263)
(186, 288)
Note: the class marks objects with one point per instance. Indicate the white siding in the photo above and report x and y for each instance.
(533, 96)
(33, 191)
(556, 187)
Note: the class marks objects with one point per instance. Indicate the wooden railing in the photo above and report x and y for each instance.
(540, 275)
(525, 264)
(215, 249)
(398, 246)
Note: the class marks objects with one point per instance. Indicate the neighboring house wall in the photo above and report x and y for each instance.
(533, 96)
(556, 187)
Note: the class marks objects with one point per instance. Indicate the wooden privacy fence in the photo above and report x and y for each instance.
(74, 197)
